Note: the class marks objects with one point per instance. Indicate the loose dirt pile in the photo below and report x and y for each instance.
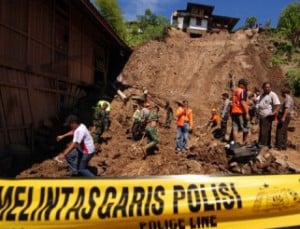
(196, 69)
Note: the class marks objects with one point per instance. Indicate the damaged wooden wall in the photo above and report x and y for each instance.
(49, 51)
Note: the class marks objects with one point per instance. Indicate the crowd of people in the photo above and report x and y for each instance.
(243, 107)
(246, 108)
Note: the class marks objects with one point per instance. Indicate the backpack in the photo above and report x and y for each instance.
(242, 153)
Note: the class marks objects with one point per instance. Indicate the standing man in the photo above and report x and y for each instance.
(99, 121)
(225, 111)
(188, 123)
(284, 118)
(107, 121)
(180, 120)
(240, 112)
(268, 106)
(81, 150)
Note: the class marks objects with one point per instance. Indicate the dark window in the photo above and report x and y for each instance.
(198, 22)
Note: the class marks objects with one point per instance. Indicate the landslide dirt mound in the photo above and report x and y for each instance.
(196, 69)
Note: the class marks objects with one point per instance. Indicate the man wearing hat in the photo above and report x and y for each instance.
(99, 122)
(240, 111)
(81, 150)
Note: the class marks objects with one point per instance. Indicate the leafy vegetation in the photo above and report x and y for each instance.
(111, 11)
(289, 22)
(147, 27)
(293, 77)
(250, 22)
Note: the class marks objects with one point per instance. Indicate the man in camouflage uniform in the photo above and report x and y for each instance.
(152, 137)
(136, 129)
(154, 113)
(107, 121)
(99, 121)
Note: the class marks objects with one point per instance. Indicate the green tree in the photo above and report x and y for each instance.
(250, 22)
(111, 11)
(293, 77)
(148, 26)
(289, 21)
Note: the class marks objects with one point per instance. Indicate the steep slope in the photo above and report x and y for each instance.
(175, 69)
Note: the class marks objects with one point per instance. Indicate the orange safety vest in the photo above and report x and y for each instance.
(180, 115)
(189, 117)
(236, 106)
(215, 118)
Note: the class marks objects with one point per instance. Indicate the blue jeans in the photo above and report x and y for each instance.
(186, 128)
(78, 162)
(182, 136)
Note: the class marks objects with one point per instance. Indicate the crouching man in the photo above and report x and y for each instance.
(81, 150)
(152, 138)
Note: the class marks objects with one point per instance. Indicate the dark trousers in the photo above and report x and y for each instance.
(282, 133)
(265, 129)
(224, 126)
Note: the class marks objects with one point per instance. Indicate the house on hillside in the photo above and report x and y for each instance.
(197, 19)
(52, 53)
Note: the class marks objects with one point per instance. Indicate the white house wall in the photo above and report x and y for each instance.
(180, 22)
(193, 24)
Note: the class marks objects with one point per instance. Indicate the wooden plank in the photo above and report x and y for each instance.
(4, 121)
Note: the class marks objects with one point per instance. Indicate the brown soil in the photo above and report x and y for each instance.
(196, 69)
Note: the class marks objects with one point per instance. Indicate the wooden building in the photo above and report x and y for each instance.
(199, 19)
(51, 51)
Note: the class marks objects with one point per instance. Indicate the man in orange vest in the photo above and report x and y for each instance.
(240, 112)
(180, 119)
(188, 123)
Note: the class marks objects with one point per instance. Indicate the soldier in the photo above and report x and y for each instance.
(154, 113)
(136, 129)
(107, 121)
(99, 121)
(152, 137)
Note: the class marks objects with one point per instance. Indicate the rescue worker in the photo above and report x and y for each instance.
(284, 118)
(137, 119)
(267, 107)
(81, 150)
(154, 113)
(225, 112)
(188, 123)
(169, 115)
(240, 112)
(180, 118)
(214, 120)
(145, 113)
(152, 137)
(107, 121)
(99, 121)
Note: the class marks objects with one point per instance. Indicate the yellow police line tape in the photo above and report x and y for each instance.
(175, 202)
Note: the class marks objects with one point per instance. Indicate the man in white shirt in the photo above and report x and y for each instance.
(81, 150)
(268, 105)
